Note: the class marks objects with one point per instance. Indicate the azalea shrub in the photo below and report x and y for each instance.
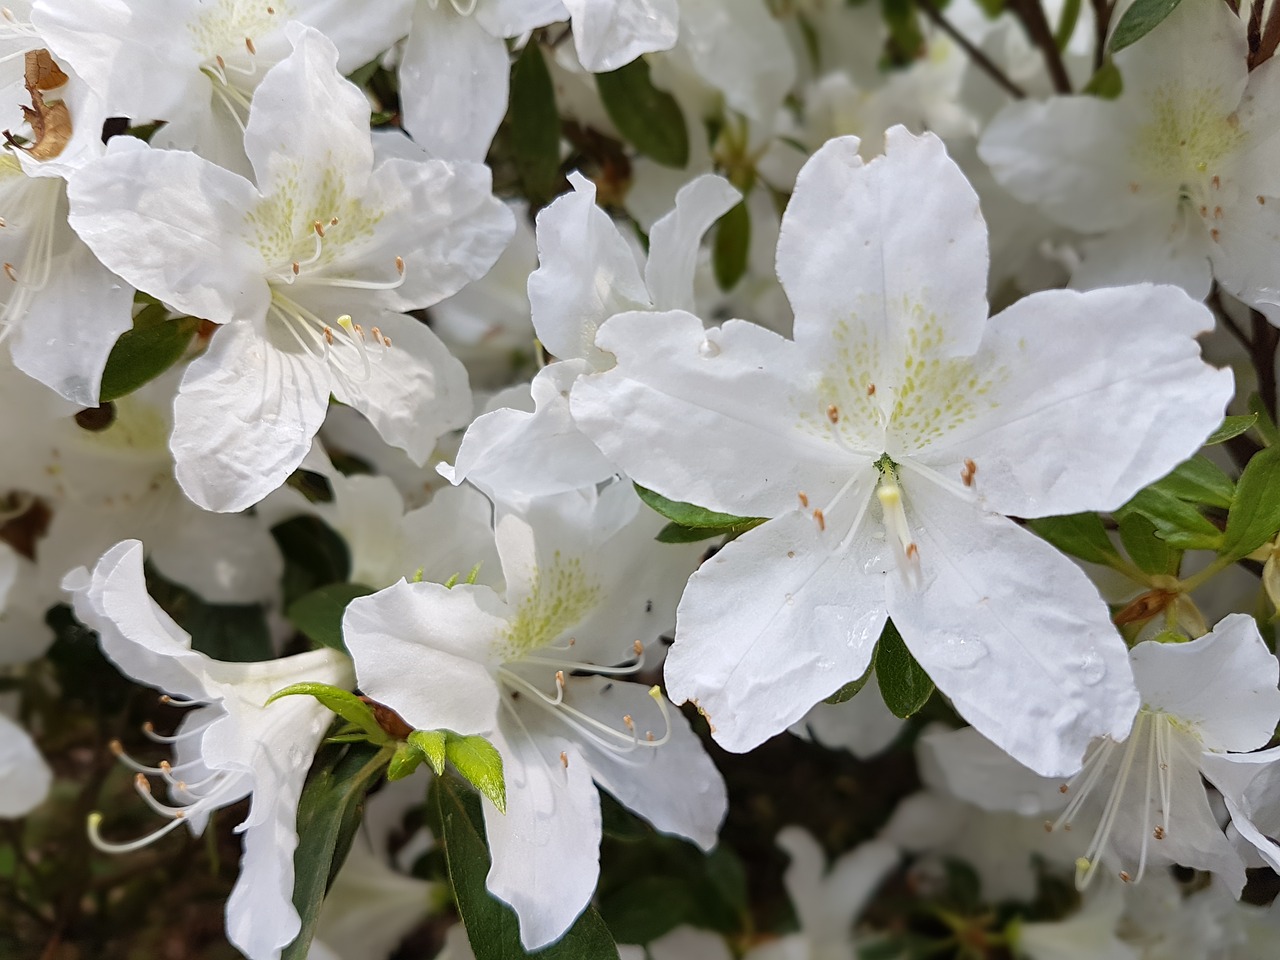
(646, 479)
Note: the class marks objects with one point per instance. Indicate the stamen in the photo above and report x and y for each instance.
(564, 759)
(10, 272)
(821, 519)
(871, 390)
(967, 472)
(248, 45)
(804, 498)
(95, 838)
(833, 413)
(895, 521)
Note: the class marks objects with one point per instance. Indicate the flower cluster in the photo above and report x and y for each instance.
(570, 395)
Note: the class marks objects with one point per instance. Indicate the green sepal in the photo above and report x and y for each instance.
(432, 745)
(480, 764)
(342, 702)
(404, 761)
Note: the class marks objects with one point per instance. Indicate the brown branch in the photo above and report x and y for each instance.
(1255, 29)
(1102, 11)
(1270, 39)
(1265, 340)
(1036, 25)
(980, 59)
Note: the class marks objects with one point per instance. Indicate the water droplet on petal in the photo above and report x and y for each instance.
(875, 564)
(1091, 668)
(709, 348)
(961, 652)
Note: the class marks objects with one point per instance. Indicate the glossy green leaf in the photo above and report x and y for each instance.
(648, 118)
(481, 764)
(732, 244)
(1176, 522)
(342, 702)
(490, 924)
(1255, 513)
(1081, 535)
(1199, 480)
(432, 745)
(329, 813)
(1151, 553)
(318, 615)
(852, 688)
(1141, 18)
(903, 682)
(140, 355)
(1264, 424)
(690, 515)
(535, 125)
(404, 761)
(1231, 427)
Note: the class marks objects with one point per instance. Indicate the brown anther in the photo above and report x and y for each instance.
(328, 336)
(560, 679)
(1063, 788)
(166, 766)
(1048, 826)
(3, 224)
(141, 782)
(1144, 607)
(271, 10)
(967, 472)
(1261, 202)
(833, 413)
(1216, 234)
(400, 265)
(377, 334)
(386, 342)
(1217, 182)
(1124, 875)
(10, 272)
(297, 268)
(359, 331)
(1204, 210)
(913, 552)
(791, 554)
(564, 760)
(222, 64)
(248, 45)
(638, 647)
(1217, 213)
(1134, 187)
(116, 747)
(629, 723)
(871, 389)
(318, 227)
(1159, 832)
(804, 498)
(148, 727)
(821, 520)
(333, 221)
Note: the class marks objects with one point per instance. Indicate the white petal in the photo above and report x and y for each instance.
(740, 395)
(1250, 787)
(1223, 685)
(510, 18)
(24, 776)
(884, 247)
(967, 765)
(455, 77)
(864, 725)
(1161, 244)
(1083, 422)
(609, 34)
(423, 649)
(546, 847)
(741, 51)
(675, 786)
(1199, 53)
(224, 558)
(514, 454)
(244, 417)
(1013, 632)
(770, 625)
(586, 273)
(173, 225)
(674, 240)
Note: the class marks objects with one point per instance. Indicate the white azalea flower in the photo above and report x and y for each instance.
(863, 725)
(1175, 174)
(228, 747)
(587, 272)
(196, 64)
(323, 232)
(541, 673)
(24, 776)
(885, 441)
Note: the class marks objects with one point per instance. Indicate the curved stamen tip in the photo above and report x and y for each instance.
(399, 265)
(116, 747)
(248, 45)
(94, 826)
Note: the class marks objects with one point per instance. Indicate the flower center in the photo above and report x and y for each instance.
(35, 204)
(1187, 136)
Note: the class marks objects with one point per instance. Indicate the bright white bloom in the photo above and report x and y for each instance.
(541, 673)
(1177, 173)
(24, 776)
(228, 747)
(324, 232)
(587, 272)
(455, 70)
(864, 725)
(826, 901)
(886, 441)
(196, 64)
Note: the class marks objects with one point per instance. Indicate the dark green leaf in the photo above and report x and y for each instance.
(689, 515)
(314, 555)
(233, 632)
(491, 925)
(432, 744)
(648, 118)
(318, 615)
(903, 683)
(851, 689)
(1177, 522)
(1231, 427)
(732, 243)
(328, 814)
(1141, 18)
(1080, 535)
(1199, 480)
(906, 40)
(481, 764)
(535, 125)
(1255, 513)
(1147, 550)
(342, 702)
(140, 355)
(1106, 83)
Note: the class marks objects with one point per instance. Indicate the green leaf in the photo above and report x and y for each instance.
(1081, 535)
(1066, 23)
(1176, 522)
(490, 924)
(1151, 553)
(851, 689)
(481, 764)
(329, 813)
(535, 125)
(318, 615)
(1231, 427)
(1106, 83)
(342, 702)
(404, 761)
(732, 243)
(432, 745)
(648, 118)
(906, 40)
(903, 683)
(1255, 513)
(1199, 480)
(140, 355)
(233, 632)
(690, 515)
(314, 555)
(1139, 20)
